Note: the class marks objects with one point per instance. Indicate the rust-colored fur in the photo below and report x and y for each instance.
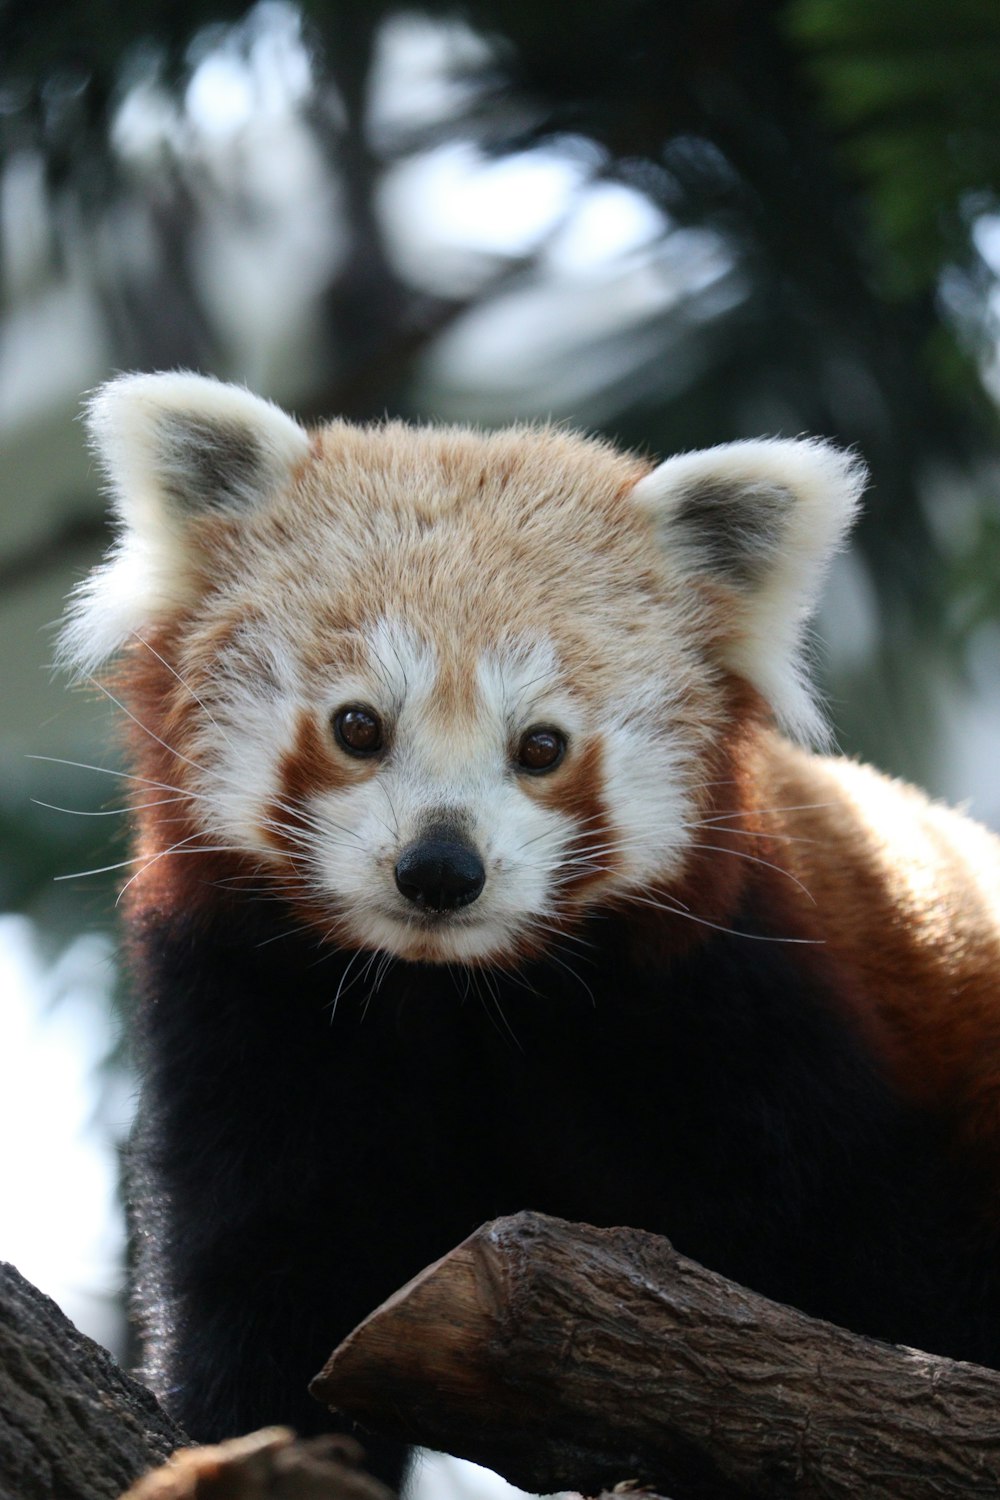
(906, 896)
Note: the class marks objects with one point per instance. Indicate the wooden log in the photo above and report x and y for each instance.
(568, 1357)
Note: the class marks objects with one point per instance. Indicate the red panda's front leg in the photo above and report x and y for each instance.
(286, 1176)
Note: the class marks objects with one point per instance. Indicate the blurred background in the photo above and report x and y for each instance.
(675, 223)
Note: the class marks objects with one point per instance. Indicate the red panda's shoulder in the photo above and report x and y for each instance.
(905, 895)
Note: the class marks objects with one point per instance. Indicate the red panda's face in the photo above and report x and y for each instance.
(451, 712)
(440, 798)
(445, 692)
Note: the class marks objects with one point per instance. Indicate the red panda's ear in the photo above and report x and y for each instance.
(762, 521)
(173, 448)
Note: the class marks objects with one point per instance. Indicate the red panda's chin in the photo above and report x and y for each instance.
(444, 939)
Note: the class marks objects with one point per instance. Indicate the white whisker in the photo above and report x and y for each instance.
(760, 812)
(343, 986)
(665, 905)
(757, 860)
(160, 786)
(176, 849)
(144, 727)
(185, 685)
(110, 812)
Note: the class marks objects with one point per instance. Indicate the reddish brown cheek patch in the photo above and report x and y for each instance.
(576, 789)
(312, 766)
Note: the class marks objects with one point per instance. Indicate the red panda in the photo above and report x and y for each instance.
(478, 869)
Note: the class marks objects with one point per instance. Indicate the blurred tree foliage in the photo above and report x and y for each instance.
(843, 151)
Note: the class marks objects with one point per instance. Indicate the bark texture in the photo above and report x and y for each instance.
(73, 1425)
(569, 1357)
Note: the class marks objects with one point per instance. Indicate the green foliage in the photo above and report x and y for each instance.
(912, 88)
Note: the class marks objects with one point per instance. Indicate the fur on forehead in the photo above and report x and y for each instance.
(543, 532)
(532, 531)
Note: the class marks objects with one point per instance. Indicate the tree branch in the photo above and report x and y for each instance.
(72, 1424)
(568, 1357)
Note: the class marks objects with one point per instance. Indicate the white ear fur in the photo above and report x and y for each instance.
(763, 519)
(172, 447)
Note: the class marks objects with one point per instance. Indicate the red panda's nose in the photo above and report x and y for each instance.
(440, 872)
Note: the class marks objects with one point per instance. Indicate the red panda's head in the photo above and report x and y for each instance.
(448, 689)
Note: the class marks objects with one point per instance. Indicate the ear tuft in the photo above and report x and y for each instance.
(173, 447)
(761, 520)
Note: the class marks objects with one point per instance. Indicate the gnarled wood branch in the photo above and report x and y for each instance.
(568, 1357)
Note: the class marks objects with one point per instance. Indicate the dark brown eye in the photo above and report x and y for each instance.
(540, 749)
(357, 730)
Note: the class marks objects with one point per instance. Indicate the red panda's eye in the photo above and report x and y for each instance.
(357, 730)
(540, 749)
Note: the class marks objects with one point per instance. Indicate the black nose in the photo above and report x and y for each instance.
(440, 872)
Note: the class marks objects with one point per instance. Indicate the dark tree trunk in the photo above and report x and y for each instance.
(72, 1424)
